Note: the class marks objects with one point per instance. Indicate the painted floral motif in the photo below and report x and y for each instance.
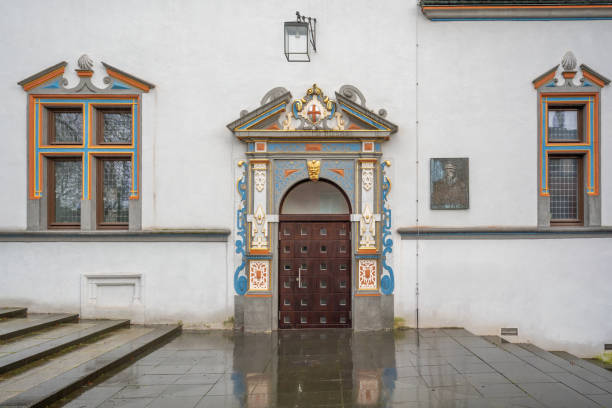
(367, 229)
(259, 231)
(259, 275)
(367, 178)
(367, 274)
(260, 176)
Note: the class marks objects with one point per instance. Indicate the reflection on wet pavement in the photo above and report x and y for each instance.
(341, 368)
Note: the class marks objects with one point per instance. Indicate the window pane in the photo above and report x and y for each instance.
(117, 127)
(563, 188)
(116, 194)
(68, 127)
(315, 198)
(563, 125)
(67, 191)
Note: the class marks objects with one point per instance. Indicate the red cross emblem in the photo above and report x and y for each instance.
(313, 112)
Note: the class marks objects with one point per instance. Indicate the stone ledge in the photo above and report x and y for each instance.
(178, 235)
(500, 232)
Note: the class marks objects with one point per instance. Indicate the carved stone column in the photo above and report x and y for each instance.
(367, 250)
(259, 236)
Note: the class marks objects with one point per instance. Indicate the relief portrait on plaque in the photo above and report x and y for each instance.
(449, 183)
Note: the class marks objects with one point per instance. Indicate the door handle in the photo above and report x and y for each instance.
(299, 278)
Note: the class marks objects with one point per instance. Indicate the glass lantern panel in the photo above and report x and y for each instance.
(297, 39)
(296, 42)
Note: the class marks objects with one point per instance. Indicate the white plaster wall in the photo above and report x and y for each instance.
(476, 100)
(181, 281)
(208, 61)
(555, 291)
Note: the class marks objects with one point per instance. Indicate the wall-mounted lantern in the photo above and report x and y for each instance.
(298, 35)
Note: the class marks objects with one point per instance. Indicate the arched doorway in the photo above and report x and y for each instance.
(314, 246)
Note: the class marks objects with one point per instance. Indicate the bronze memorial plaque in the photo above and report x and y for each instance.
(449, 183)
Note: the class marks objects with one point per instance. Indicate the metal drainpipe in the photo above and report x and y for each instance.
(416, 109)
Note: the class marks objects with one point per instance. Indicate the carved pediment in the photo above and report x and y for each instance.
(564, 75)
(51, 80)
(314, 114)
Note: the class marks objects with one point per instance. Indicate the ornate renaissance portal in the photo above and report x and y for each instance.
(314, 269)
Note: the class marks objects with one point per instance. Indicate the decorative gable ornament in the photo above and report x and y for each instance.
(314, 112)
(52, 81)
(567, 71)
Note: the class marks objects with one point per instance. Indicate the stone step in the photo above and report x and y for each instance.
(12, 328)
(495, 340)
(593, 374)
(6, 312)
(43, 384)
(542, 366)
(584, 364)
(31, 348)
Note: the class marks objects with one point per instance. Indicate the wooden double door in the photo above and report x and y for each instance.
(314, 273)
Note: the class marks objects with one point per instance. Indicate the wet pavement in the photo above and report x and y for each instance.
(340, 368)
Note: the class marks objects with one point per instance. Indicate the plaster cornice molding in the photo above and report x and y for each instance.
(515, 10)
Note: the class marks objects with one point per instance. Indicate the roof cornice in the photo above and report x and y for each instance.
(440, 10)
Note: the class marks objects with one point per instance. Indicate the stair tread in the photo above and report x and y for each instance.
(577, 370)
(584, 364)
(49, 381)
(18, 326)
(6, 312)
(62, 329)
(13, 385)
(30, 348)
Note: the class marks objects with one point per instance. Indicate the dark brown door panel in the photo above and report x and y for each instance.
(314, 274)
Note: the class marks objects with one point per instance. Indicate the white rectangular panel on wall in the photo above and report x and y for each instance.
(113, 296)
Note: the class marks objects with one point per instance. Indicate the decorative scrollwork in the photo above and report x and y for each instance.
(240, 279)
(387, 282)
(273, 94)
(351, 92)
(314, 111)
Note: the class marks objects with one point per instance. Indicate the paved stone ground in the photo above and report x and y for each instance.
(339, 368)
